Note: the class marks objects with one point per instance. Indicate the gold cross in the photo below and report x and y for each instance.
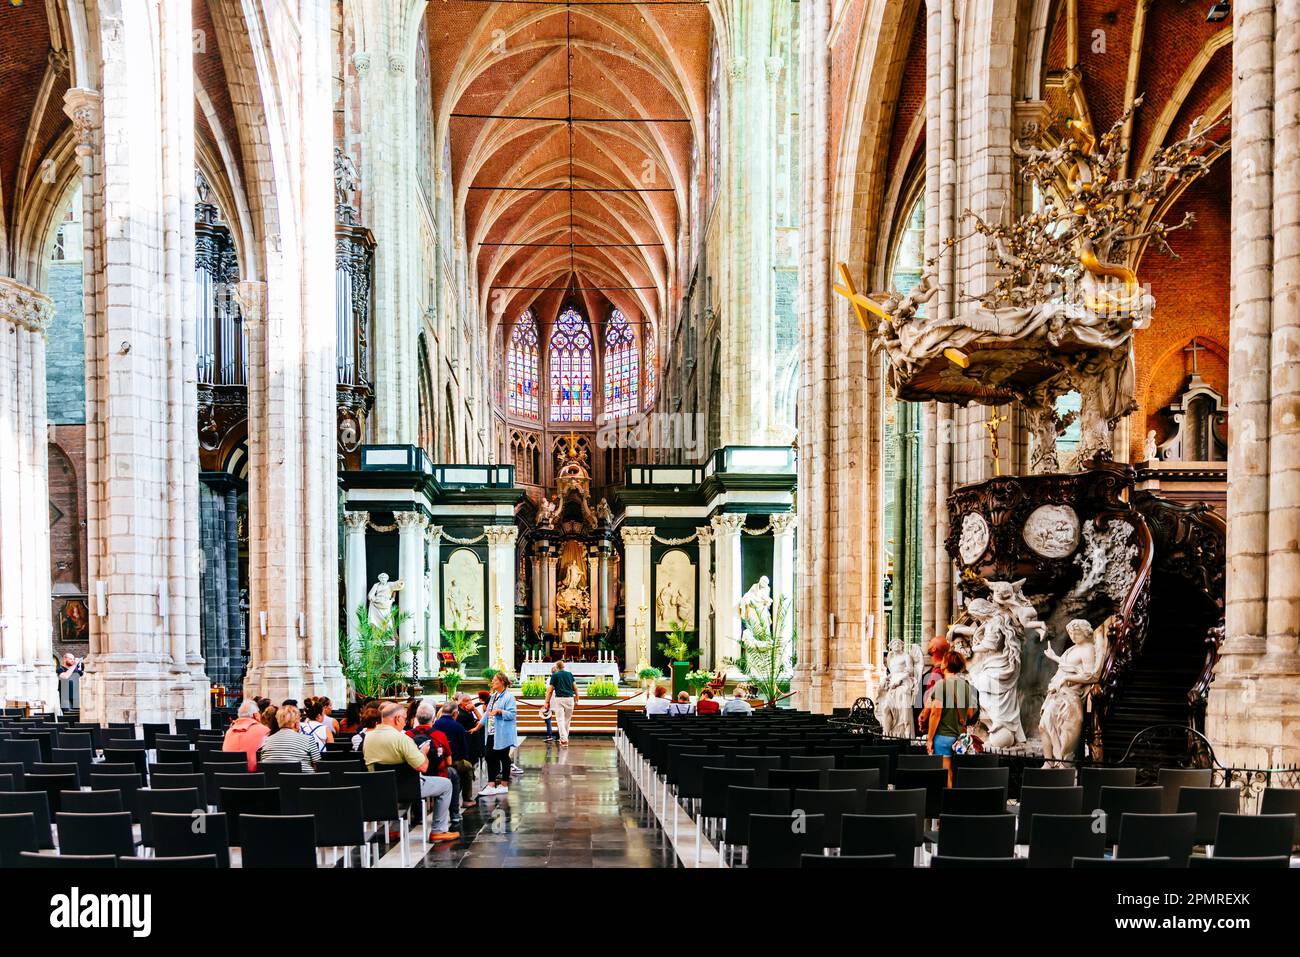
(991, 425)
(861, 304)
(573, 444)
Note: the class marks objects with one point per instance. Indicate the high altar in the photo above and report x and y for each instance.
(544, 572)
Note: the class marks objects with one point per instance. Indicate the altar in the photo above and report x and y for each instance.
(581, 670)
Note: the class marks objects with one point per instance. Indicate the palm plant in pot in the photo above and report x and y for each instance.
(765, 653)
(679, 652)
(462, 643)
(372, 661)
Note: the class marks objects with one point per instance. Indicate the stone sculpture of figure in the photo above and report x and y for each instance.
(604, 513)
(1150, 452)
(898, 692)
(380, 599)
(757, 602)
(672, 605)
(1010, 597)
(548, 513)
(995, 670)
(1061, 720)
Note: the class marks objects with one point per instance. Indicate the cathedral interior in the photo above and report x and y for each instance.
(639, 334)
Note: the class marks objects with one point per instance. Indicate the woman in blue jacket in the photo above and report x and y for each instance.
(502, 735)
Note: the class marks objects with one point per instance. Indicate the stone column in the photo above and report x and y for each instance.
(26, 650)
(783, 526)
(433, 600)
(1253, 715)
(728, 588)
(410, 569)
(356, 584)
(501, 593)
(636, 595)
(549, 562)
(135, 141)
(704, 589)
(292, 388)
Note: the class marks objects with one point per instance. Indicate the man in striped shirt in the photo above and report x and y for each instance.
(290, 744)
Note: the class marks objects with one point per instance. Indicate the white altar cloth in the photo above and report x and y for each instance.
(580, 669)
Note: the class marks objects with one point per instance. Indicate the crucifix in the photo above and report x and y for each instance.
(991, 425)
(1195, 348)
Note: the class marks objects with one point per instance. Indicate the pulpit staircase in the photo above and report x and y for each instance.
(1173, 637)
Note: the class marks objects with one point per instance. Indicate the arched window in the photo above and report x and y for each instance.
(570, 364)
(622, 367)
(651, 361)
(522, 368)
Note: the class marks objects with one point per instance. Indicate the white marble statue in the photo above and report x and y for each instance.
(995, 669)
(757, 602)
(380, 599)
(898, 691)
(1150, 452)
(1061, 722)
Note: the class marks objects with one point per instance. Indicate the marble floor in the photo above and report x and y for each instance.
(568, 809)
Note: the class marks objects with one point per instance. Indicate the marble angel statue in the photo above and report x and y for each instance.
(898, 693)
(1061, 722)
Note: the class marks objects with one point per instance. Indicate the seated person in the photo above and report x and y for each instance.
(386, 746)
(682, 705)
(246, 733)
(440, 755)
(289, 743)
(737, 703)
(658, 703)
(367, 720)
(706, 704)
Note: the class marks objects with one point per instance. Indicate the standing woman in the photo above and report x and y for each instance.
(502, 735)
(953, 705)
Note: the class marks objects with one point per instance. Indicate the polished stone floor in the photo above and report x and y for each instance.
(568, 809)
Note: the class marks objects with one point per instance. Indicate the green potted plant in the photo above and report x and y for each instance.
(372, 662)
(462, 644)
(451, 679)
(601, 688)
(649, 676)
(677, 649)
(489, 673)
(695, 680)
(534, 687)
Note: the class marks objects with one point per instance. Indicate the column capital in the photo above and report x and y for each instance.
(704, 534)
(85, 108)
(408, 520)
(24, 307)
(501, 534)
(729, 524)
(783, 523)
(361, 62)
(638, 534)
(433, 535)
(251, 297)
(356, 521)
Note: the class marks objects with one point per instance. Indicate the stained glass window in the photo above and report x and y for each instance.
(522, 368)
(571, 368)
(651, 361)
(622, 367)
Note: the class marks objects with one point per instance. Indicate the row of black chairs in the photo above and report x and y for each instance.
(732, 778)
(97, 821)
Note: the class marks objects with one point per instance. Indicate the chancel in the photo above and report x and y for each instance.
(598, 434)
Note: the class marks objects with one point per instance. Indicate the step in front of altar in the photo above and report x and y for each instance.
(599, 716)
